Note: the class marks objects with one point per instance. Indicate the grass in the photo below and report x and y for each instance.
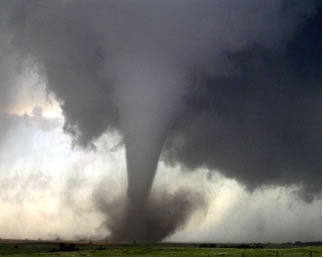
(51, 249)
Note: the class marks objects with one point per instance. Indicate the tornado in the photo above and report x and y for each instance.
(150, 97)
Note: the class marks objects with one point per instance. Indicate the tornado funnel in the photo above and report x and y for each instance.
(150, 95)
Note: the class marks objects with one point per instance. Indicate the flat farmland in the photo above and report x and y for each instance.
(42, 248)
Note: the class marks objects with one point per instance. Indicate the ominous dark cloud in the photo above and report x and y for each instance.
(80, 47)
(262, 125)
(227, 83)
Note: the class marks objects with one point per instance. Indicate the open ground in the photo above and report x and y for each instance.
(56, 248)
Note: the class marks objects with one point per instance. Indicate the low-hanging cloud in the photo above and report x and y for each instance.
(261, 126)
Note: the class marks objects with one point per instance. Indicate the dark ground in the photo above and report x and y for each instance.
(57, 248)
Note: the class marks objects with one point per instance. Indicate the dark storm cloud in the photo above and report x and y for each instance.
(8, 67)
(263, 125)
(77, 45)
(251, 109)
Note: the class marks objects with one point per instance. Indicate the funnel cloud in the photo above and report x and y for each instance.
(221, 84)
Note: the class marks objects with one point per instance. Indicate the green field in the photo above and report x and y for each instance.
(53, 249)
